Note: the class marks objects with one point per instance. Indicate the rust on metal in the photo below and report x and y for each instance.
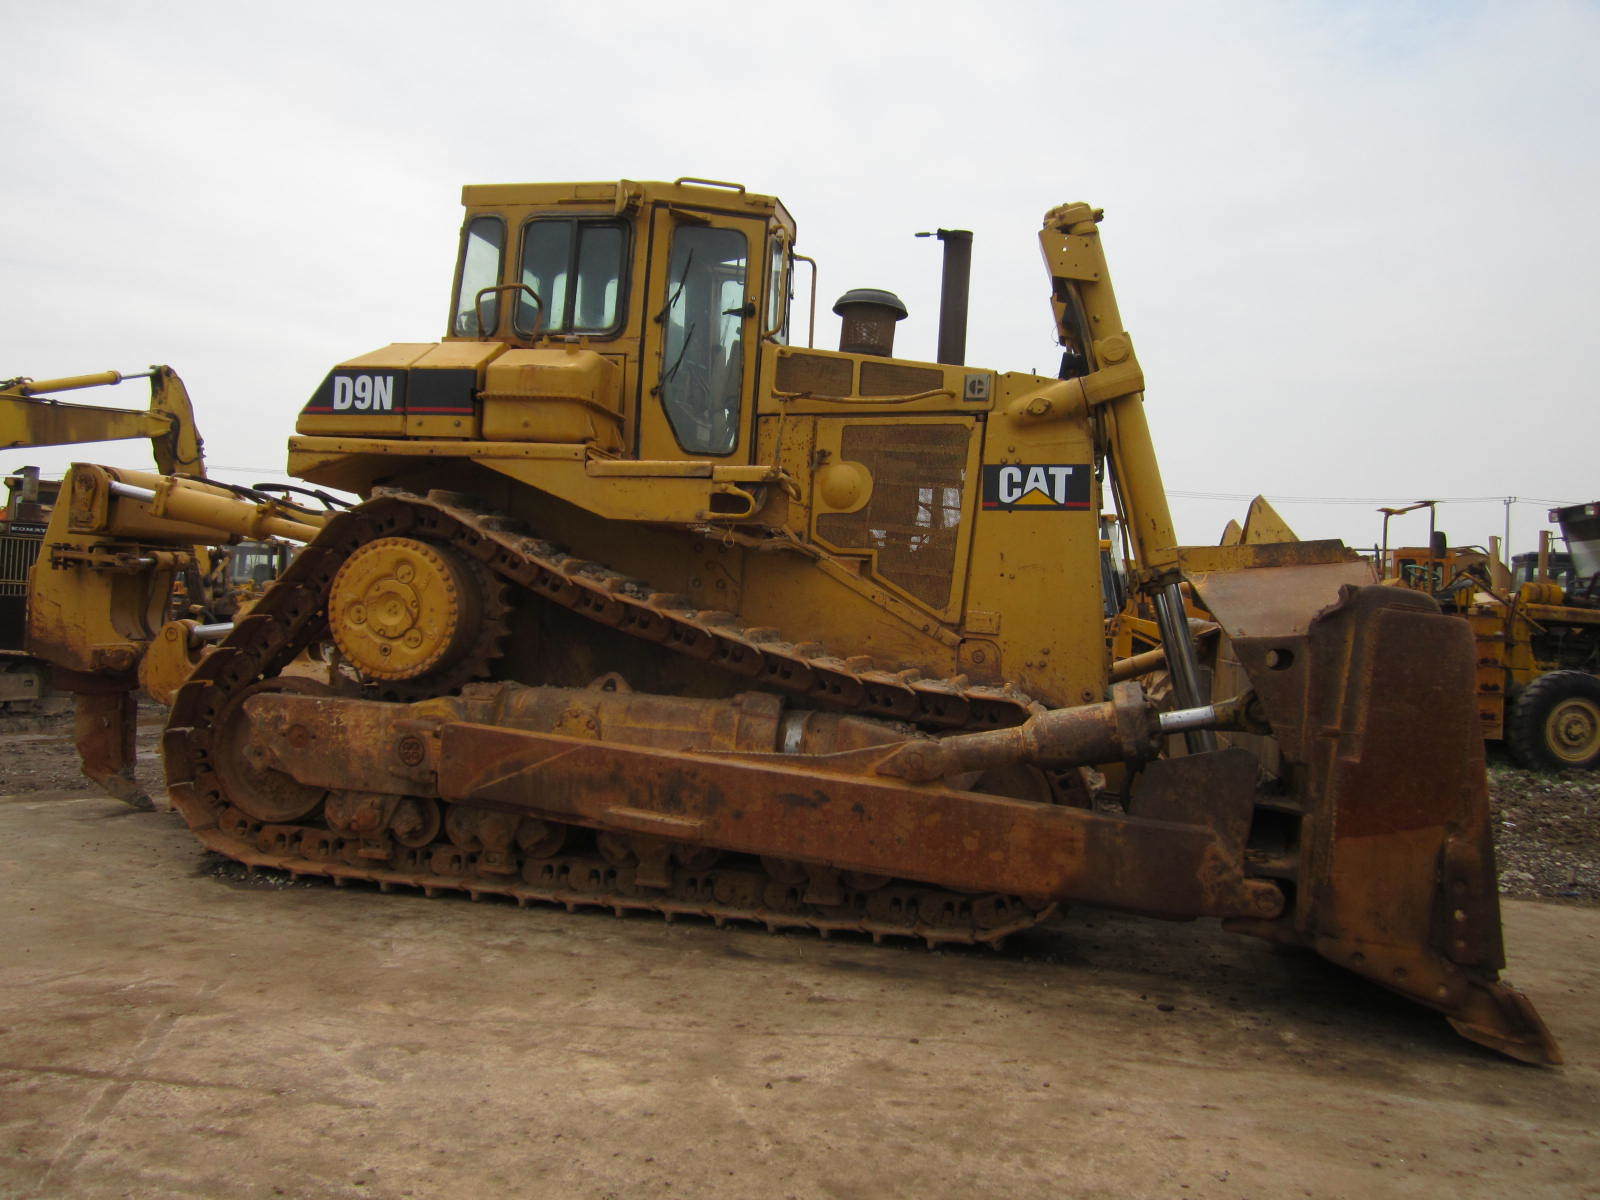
(789, 807)
(105, 718)
(1373, 706)
(743, 808)
(1124, 729)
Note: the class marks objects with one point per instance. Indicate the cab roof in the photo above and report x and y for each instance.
(626, 194)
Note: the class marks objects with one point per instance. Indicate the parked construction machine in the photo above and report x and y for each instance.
(1539, 649)
(645, 608)
(24, 680)
(1537, 633)
(79, 614)
(32, 417)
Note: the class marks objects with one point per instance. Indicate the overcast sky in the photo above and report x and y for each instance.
(1354, 243)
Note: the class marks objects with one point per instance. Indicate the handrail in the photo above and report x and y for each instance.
(811, 326)
(720, 183)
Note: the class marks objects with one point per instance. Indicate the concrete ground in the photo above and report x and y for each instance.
(169, 1030)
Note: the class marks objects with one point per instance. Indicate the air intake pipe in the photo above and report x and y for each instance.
(868, 317)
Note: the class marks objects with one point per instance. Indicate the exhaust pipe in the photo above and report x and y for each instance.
(954, 290)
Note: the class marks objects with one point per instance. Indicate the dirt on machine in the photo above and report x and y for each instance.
(645, 606)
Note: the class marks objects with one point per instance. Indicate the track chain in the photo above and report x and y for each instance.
(292, 616)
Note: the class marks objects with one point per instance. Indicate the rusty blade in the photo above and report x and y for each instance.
(1374, 709)
(776, 805)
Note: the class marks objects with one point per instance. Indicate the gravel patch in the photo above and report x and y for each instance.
(1547, 832)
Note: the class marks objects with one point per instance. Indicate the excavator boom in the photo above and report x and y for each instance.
(28, 417)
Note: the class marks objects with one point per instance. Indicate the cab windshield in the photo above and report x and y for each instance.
(575, 269)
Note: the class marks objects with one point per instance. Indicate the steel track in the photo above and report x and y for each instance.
(292, 616)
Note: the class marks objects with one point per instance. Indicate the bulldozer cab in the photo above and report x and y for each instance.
(676, 287)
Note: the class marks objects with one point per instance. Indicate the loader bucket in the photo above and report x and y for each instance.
(1370, 696)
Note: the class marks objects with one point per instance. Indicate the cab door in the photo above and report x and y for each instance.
(696, 395)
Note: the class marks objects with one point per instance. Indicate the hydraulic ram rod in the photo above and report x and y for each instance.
(177, 502)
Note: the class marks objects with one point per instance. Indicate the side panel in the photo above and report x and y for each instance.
(365, 396)
(904, 492)
(443, 385)
(1034, 588)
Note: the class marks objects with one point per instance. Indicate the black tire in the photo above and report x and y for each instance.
(1555, 722)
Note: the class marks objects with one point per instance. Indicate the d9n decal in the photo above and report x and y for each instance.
(348, 390)
(1015, 487)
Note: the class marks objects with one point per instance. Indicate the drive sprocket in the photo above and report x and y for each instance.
(415, 616)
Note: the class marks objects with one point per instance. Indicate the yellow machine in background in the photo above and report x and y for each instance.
(24, 680)
(30, 417)
(644, 607)
(1537, 637)
(109, 588)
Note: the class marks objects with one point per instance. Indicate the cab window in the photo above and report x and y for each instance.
(777, 319)
(576, 270)
(702, 364)
(480, 268)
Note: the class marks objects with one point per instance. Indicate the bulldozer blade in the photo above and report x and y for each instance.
(1372, 708)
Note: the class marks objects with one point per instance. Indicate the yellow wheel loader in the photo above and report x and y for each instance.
(1537, 630)
(645, 607)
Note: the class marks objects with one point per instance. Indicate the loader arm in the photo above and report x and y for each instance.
(1103, 378)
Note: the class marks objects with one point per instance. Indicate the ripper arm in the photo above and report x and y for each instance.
(100, 596)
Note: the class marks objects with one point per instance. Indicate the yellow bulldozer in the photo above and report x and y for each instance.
(646, 607)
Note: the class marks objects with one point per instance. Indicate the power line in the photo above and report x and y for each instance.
(1368, 500)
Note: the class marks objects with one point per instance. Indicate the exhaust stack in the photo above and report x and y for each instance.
(955, 289)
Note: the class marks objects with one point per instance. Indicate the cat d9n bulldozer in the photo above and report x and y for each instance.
(645, 608)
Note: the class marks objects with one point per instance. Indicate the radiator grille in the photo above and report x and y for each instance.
(17, 554)
(814, 374)
(919, 473)
(895, 379)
